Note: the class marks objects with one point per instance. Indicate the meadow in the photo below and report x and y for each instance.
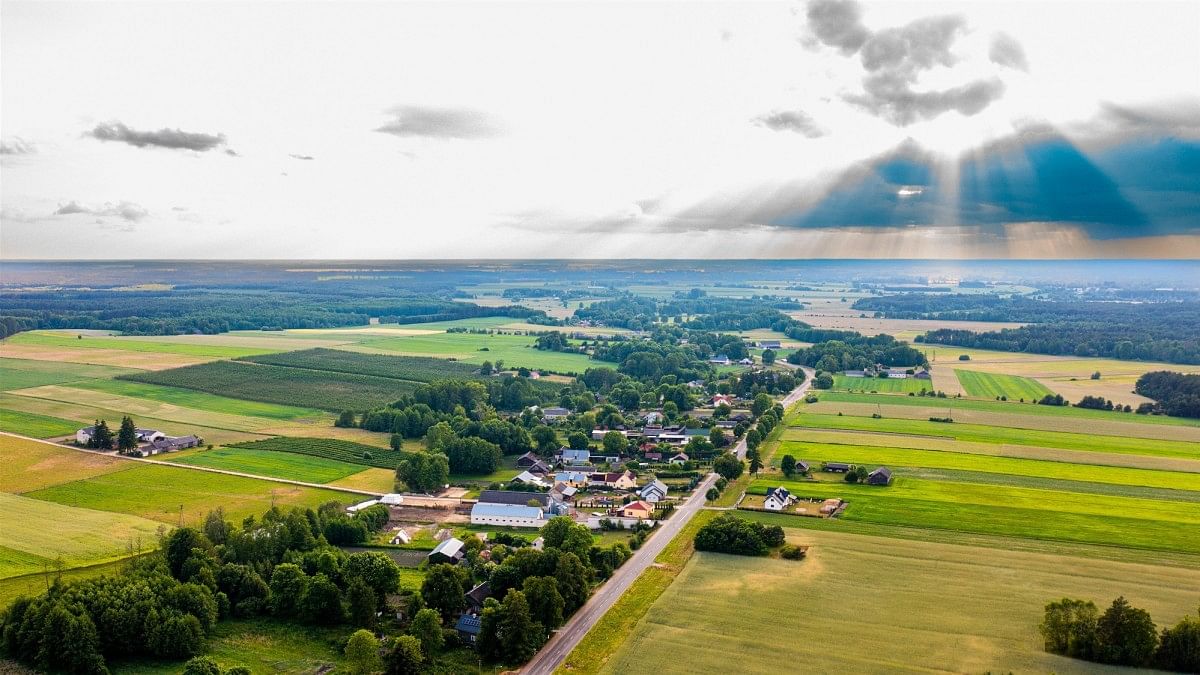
(32, 465)
(411, 368)
(318, 389)
(328, 448)
(514, 350)
(991, 385)
(286, 465)
(76, 339)
(881, 385)
(880, 605)
(199, 400)
(24, 373)
(32, 424)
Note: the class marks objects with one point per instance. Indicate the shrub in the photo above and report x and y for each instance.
(792, 552)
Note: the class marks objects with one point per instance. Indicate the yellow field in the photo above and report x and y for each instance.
(142, 407)
(102, 357)
(30, 465)
(374, 480)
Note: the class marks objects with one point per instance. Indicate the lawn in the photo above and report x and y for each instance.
(31, 465)
(32, 531)
(32, 424)
(989, 385)
(190, 398)
(513, 350)
(175, 495)
(22, 373)
(162, 345)
(285, 465)
(881, 385)
(878, 605)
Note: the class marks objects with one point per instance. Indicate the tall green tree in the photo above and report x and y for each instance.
(545, 602)
(362, 653)
(424, 471)
(405, 658)
(788, 465)
(1125, 635)
(427, 627)
(1069, 628)
(127, 435)
(443, 589)
(362, 603)
(102, 436)
(289, 583)
(518, 636)
(322, 602)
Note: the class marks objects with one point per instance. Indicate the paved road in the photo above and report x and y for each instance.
(561, 644)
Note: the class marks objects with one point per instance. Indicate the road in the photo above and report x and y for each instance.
(563, 641)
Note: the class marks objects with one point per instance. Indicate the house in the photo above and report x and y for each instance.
(836, 467)
(654, 491)
(769, 344)
(507, 515)
(652, 418)
(680, 458)
(623, 480)
(554, 414)
(718, 399)
(477, 595)
(854, 373)
(362, 505)
(802, 466)
(84, 435)
(923, 375)
(778, 499)
(599, 434)
(527, 460)
(746, 361)
(401, 537)
(539, 543)
(571, 457)
(167, 444)
(725, 424)
(565, 492)
(449, 551)
(638, 509)
(696, 384)
(529, 479)
(469, 626)
(831, 505)
(720, 359)
(880, 476)
(653, 456)
(575, 479)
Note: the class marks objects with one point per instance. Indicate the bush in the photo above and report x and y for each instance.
(792, 552)
(729, 534)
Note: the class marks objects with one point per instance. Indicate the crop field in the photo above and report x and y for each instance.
(24, 373)
(290, 466)
(885, 605)
(190, 398)
(32, 424)
(372, 480)
(33, 531)
(165, 345)
(328, 448)
(32, 465)
(881, 385)
(287, 386)
(989, 385)
(411, 368)
(514, 350)
(174, 494)
(103, 357)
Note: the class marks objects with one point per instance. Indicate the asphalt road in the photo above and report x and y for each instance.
(560, 645)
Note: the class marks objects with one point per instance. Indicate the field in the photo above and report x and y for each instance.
(190, 398)
(37, 532)
(288, 386)
(69, 340)
(514, 350)
(990, 385)
(286, 465)
(106, 357)
(328, 448)
(881, 605)
(883, 386)
(371, 480)
(176, 495)
(412, 368)
(32, 424)
(23, 373)
(31, 465)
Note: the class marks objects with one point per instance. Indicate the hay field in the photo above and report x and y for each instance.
(30, 465)
(514, 350)
(373, 480)
(881, 605)
(160, 345)
(190, 398)
(880, 385)
(25, 373)
(991, 385)
(105, 357)
(32, 424)
(285, 465)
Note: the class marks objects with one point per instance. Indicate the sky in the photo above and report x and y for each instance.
(821, 129)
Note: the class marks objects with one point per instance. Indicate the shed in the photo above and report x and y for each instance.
(449, 551)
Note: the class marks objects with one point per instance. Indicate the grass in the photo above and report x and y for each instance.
(873, 455)
(372, 480)
(263, 646)
(989, 385)
(23, 373)
(199, 400)
(30, 465)
(50, 339)
(37, 582)
(329, 448)
(877, 605)
(289, 386)
(412, 368)
(285, 465)
(33, 531)
(32, 424)
(175, 495)
(503, 473)
(514, 350)
(876, 384)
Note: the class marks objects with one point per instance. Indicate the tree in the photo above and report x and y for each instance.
(127, 435)
(486, 368)
(761, 404)
(615, 443)
(427, 627)
(288, 586)
(322, 602)
(362, 602)
(179, 546)
(788, 465)
(545, 439)
(1125, 635)
(555, 531)
(176, 637)
(377, 569)
(574, 581)
(768, 357)
(1179, 647)
(756, 464)
(823, 381)
(102, 436)
(216, 528)
(488, 643)
(728, 466)
(545, 602)
(517, 635)
(201, 665)
(472, 455)
(717, 437)
(405, 658)
(362, 653)
(443, 589)
(424, 471)
(438, 436)
(345, 419)
(577, 440)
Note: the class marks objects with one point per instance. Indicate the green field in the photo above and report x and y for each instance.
(190, 398)
(411, 368)
(33, 532)
(22, 373)
(988, 385)
(285, 465)
(37, 426)
(879, 605)
(174, 495)
(881, 385)
(346, 452)
(48, 339)
(513, 350)
(318, 389)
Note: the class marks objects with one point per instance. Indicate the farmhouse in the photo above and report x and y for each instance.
(469, 626)
(169, 444)
(720, 359)
(680, 458)
(476, 596)
(554, 414)
(653, 456)
(836, 467)
(718, 399)
(550, 502)
(529, 479)
(508, 515)
(84, 435)
(638, 509)
(654, 491)
(569, 457)
(923, 375)
(449, 551)
(778, 499)
(575, 479)
(613, 480)
(897, 373)
(802, 466)
(880, 476)
(527, 460)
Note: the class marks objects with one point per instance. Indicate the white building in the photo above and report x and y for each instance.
(778, 499)
(507, 515)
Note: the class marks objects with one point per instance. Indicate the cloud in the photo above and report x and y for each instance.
(17, 146)
(894, 59)
(412, 121)
(1006, 51)
(172, 139)
(127, 211)
(796, 121)
(302, 157)
(1174, 118)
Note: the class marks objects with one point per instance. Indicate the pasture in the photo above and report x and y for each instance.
(290, 466)
(891, 605)
(190, 398)
(32, 465)
(159, 345)
(881, 385)
(24, 373)
(990, 385)
(33, 532)
(176, 495)
(411, 368)
(514, 350)
(32, 424)
(341, 451)
(104, 357)
(372, 480)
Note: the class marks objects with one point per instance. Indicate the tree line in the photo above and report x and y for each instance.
(1122, 635)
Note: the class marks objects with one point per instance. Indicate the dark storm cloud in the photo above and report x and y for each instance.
(442, 123)
(172, 139)
(895, 58)
(127, 211)
(17, 146)
(796, 121)
(1006, 51)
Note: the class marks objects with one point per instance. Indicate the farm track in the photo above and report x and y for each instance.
(227, 472)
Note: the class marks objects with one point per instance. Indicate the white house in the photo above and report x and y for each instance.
(84, 435)
(654, 491)
(529, 479)
(778, 499)
(508, 515)
(401, 537)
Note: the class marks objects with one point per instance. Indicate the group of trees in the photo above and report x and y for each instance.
(1174, 394)
(729, 534)
(856, 352)
(1123, 635)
